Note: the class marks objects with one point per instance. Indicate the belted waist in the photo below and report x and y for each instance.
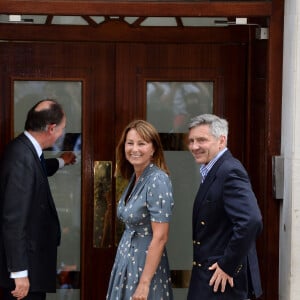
(138, 231)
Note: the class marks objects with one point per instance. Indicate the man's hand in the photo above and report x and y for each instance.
(68, 157)
(219, 278)
(22, 288)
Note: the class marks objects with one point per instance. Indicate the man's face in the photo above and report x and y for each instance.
(203, 145)
(56, 131)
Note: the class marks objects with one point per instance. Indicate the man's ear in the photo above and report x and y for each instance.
(51, 127)
(223, 140)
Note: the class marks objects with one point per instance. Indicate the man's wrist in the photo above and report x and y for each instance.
(19, 274)
(61, 162)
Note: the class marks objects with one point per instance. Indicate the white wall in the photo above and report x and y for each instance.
(289, 258)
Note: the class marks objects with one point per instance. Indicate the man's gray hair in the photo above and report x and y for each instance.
(217, 125)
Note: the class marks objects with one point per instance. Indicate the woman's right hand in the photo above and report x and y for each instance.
(141, 292)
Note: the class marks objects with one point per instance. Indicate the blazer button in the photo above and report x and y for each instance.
(239, 269)
(194, 263)
(198, 243)
(202, 223)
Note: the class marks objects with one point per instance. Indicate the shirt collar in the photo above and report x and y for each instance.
(35, 143)
(204, 169)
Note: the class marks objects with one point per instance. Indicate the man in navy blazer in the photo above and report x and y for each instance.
(226, 219)
(29, 225)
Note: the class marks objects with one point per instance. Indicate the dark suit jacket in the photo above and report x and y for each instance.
(29, 225)
(52, 165)
(226, 223)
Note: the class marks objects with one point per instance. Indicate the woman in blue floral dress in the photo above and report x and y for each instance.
(141, 268)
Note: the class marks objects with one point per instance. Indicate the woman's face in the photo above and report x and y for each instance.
(137, 151)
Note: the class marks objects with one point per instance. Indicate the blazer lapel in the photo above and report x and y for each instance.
(28, 143)
(203, 188)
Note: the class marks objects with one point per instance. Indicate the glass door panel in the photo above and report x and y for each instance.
(66, 183)
(170, 106)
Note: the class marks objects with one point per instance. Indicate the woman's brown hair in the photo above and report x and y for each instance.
(148, 133)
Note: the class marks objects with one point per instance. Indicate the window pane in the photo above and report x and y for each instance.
(170, 105)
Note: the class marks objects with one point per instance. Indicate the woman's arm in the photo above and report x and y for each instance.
(155, 251)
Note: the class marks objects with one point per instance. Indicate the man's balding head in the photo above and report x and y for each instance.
(43, 113)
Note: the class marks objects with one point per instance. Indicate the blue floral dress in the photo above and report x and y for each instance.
(150, 200)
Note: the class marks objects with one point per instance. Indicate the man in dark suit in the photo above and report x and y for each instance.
(226, 219)
(29, 225)
(53, 164)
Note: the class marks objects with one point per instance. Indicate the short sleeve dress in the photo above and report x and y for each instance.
(151, 200)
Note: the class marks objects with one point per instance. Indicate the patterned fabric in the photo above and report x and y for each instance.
(151, 200)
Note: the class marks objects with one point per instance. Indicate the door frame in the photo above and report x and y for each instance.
(270, 117)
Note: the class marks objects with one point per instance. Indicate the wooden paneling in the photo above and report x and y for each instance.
(137, 63)
(120, 31)
(137, 8)
(256, 160)
(273, 140)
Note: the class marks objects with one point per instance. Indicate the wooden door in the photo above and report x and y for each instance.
(93, 66)
(138, 65)
(114, 78)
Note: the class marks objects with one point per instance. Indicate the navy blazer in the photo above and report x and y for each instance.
(226, 223)
(29, 225)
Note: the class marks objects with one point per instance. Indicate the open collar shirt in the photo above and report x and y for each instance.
(205, 168)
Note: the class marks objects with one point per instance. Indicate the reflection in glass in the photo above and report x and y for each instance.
(102, 204)
(66, 182)
(174, 141)
(121, 184)
(181, 278)
(170, 105)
